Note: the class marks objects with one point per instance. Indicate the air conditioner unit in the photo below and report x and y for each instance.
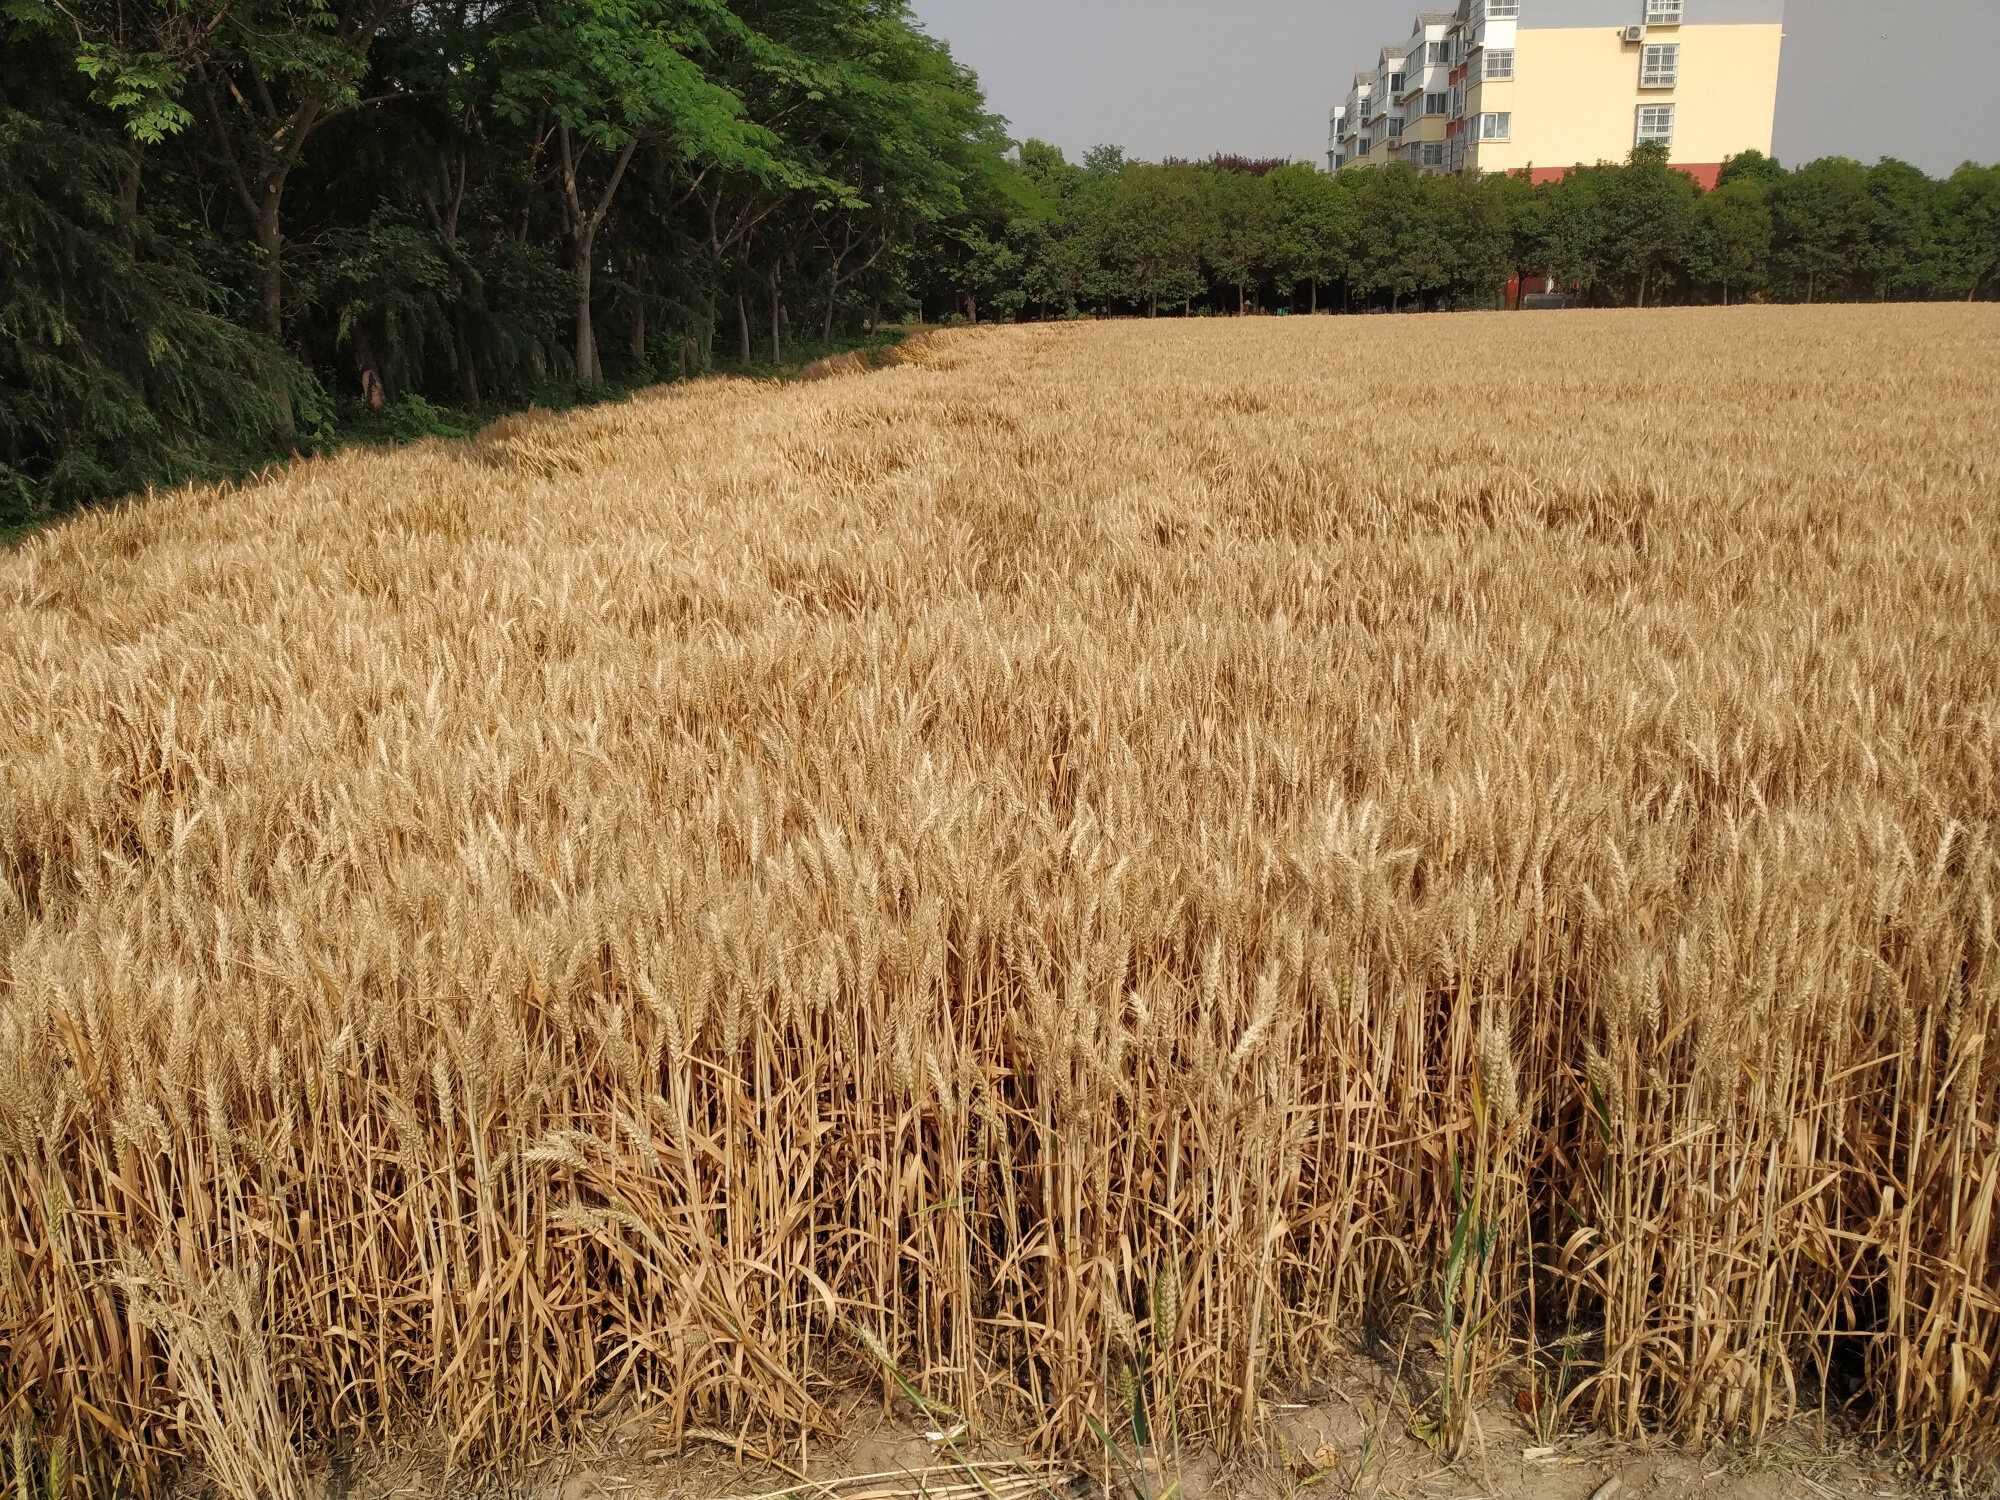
(1635, 33)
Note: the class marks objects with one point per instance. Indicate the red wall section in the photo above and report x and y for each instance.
(1704, 173)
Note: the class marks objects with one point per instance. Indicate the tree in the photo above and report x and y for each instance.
(598, 77)
(117, 366)
(1402, 245)
(1731, 241)
(1897, 258)
(1750, 166)
(1316, 224)
(1648, 218)
(1968, 207)
(1243, 244)
(1156, 224)
(1571, 232)
(1477, 215)
(263, 75)
(1819, 225)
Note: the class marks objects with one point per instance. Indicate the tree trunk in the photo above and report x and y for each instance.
(832, 298)
(586, 335)
(468, 372)
(972, 309)
(1153, 306)
(364, 363)
(638, 344)
(271, 301)
(777, 346)
(1642, 286)
(1315, 296)
(743, 327)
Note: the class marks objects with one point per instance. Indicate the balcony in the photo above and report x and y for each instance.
(1663, 12)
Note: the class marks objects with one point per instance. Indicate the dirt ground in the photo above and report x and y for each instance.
(1350, 1446)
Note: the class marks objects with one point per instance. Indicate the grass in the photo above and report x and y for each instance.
(494, 931)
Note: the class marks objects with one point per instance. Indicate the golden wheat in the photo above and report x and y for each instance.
(1021, 854)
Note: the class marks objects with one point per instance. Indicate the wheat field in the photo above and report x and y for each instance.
(1096, 837)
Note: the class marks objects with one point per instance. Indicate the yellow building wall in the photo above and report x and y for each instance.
(1575, 95)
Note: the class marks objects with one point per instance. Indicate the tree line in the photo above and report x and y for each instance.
(229, 227)
(1108, 235)
(222, 222)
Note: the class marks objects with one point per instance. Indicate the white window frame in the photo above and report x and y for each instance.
(1433, 153)
(1659, 65)
(1497, 63)
(1655, 125)
(1496, 125)
(1663, 12)
(1498, 10)
(1396, 82)
(1436, 103)
(1438, 53)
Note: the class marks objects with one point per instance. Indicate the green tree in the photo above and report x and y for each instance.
(1477, 215)
(598, 77)
(1402, 248)
(1571, 231)
(1968, 206)
(1316, 224)
(1731, 242)
(263, 76)
(1897, 260)
(118, 367)
(1750, 166)
(1819, 227)
(1157, 222)
(1648, 220)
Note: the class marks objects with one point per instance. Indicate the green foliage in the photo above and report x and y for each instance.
(1819, 228)
(118, 364)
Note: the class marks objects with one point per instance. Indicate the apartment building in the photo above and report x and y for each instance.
(1350, 124)
(1547, 85)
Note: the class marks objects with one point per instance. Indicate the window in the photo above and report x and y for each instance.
(1433, 153)
(1500, 127)
(1663, 12)
(1656, 124)
(1659, 65)
(1395, 83)
(1436, 104)
(1395, 127)
(1440, 53)
(1499, 10)
(1361, 147)
(1499, 63)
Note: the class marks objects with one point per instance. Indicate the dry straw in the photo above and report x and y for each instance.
(492, 932)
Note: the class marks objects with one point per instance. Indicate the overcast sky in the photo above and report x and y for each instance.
(1916, 79)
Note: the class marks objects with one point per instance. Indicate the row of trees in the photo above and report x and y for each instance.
(1118, 236)
(219, 218)
(222, 219)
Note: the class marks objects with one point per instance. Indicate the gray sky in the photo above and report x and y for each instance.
(1865, 78)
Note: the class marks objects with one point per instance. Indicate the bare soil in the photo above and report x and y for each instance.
(1352, 1443)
